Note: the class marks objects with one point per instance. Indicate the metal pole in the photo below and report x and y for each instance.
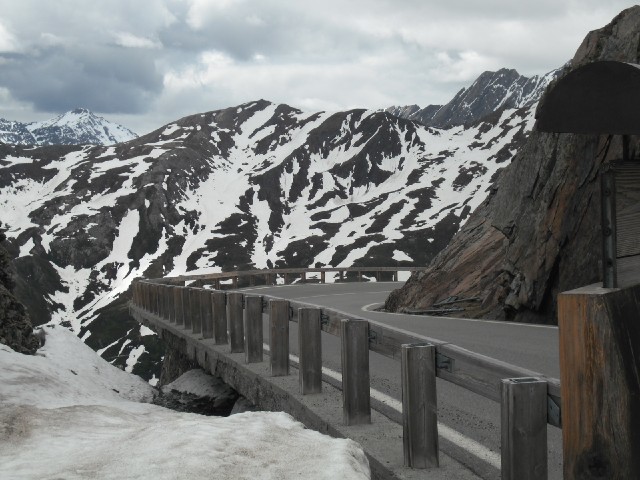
(236, 329)
(419, 406)
(253, 334)
(310, 350)
(219, 300)
(206, 309)
(356, 401)
(524, 428)
(279, 337)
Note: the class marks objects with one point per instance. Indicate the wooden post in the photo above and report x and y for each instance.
(395, 276)
(253, 334)
(252, 280)
(419, 406)
(286, 279)
(171, 310)
(156, 310)
(303, 277)
(236, 328)
(219, 300)
(267, 279)
(186, 302)
(178, 294)
(196, 314)
(322, 277)
(279, 337)
(356, 401)
(206, 309)
(235, 282)
(216, 284)
(524, 429)
(359, 276)
(377, 276)
(599, 333)
(340, 274)
(310, 350)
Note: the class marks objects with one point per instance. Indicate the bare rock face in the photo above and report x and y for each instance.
(538, 233)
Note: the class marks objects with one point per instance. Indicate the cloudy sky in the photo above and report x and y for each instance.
(144, 63)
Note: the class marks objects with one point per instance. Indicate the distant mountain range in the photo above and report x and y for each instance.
(258, 185)
(491, 92)
(76, 127)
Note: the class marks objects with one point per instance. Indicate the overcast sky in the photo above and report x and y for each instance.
(145, 63)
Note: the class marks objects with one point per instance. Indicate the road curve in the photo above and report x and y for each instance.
(534, 347)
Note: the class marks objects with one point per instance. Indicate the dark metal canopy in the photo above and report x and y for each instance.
(599, 98)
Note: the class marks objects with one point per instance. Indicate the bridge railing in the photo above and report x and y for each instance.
(528, 399)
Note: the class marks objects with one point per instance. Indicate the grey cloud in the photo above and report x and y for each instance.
(106, 79)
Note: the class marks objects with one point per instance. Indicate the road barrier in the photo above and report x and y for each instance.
(528, 399)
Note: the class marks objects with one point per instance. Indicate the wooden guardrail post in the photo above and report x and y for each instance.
(236, 328)
(303, 277)
(219, 300)
(186, 302)
(156, 299)
(356, 400)
(322, 277)
(341, 275)
(253, 332)
(171, 310)
(419, 405)
(524, 429)
(395, 276)
(206, 309)
(310, 350)
(279, 337)
(359, 276)
(196, 314)
(252, 280)
(599, 334)
(178, 294)
(235, 282)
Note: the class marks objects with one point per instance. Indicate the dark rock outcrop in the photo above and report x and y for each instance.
(15, 326)
(538, 233)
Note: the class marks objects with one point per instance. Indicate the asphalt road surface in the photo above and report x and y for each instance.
(470, 424)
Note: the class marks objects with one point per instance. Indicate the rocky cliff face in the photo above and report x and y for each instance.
(15, 325)
(538, 233)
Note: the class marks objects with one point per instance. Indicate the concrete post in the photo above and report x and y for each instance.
(355, 372)
(206, 309)
(524, 429)
(253, 334)
(419, 406)
(310, 350)
(236, 328)
(279, 337)
(219, 300)
(196, 314)
(599, 334)
(178, 293)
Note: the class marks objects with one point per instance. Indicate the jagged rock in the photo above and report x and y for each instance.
(15, 326)
(538, 233)
(198, 392)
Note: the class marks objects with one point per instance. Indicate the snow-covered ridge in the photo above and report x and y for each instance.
(256, 186)
(76, 127)
(69, 414)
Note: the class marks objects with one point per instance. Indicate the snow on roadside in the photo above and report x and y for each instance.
(66, 413)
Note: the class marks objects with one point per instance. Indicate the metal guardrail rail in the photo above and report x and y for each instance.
(510, 385)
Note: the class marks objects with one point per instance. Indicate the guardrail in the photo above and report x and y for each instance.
(528, 399)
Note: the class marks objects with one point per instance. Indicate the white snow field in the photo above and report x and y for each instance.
(65, 413)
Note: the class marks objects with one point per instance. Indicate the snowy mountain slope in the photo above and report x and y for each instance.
(76, 127)
(66, 413)
(490, 92)
(255, 186)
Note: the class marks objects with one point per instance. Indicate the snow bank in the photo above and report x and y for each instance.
(66, 413)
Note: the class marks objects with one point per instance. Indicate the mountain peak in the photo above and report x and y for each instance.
(75, 127)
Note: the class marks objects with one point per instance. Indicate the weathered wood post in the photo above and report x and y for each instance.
(395, 276)
(206, 311)
(236, 328)
(178, 293)
(145, 295)
(195, 311)
(253, 332)
(286, 279)
(359, 276)
(419, 405)
(252, 280)
(600, 377)
(219, 300)
(168, 299)
(303, 277)
(322, 277)
(267, 279)
(186, 302)
(341, 275)
(310, 350)
(356, 400)
(524, 428)
(156, 309)
(377, 276)
(235, 282)
(279, 337)
(171, 310)
(216, 284)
